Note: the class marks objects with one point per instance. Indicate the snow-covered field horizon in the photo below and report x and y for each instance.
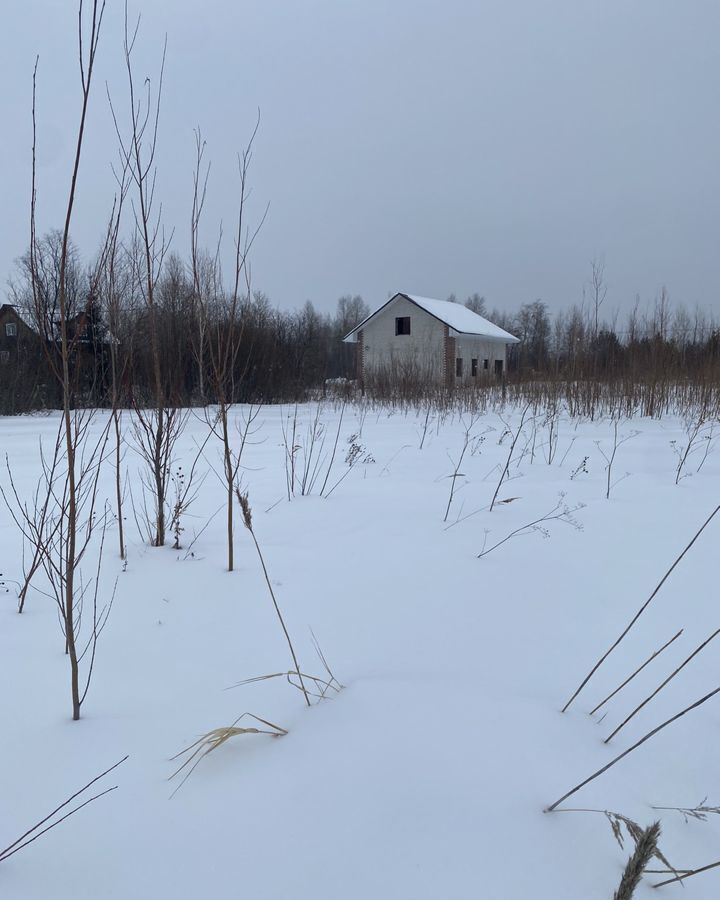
(428, 775)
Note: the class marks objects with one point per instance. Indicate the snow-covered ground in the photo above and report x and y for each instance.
(427, 776)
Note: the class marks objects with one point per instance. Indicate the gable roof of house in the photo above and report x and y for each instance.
(10, 310)
(456, 316)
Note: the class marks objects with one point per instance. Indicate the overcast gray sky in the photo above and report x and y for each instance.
(431, 147)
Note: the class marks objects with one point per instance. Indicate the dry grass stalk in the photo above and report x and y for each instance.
(644, 851)
(323, 686)
(215, 738)
(683, 875)
(699, 812)
(617, 822)
(636, 672)
(661, 686)
(32, 834)
(642, 608)
(634, 747)
(247, 521)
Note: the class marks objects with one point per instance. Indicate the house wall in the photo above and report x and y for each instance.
(468, 347)
(8, 313)
(420, 354)
(12, 345)
(23, 369)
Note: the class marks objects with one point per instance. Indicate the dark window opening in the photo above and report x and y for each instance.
(4, 356)
(402, 325)
(458, 367)
(473, 367)
(486, 363)
(498, 367)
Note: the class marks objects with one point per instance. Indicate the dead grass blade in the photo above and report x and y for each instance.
(645, 847)
(322, 685)
(215, 738)
(682, 876)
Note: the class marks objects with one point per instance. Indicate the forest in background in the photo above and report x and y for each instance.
(276, 355)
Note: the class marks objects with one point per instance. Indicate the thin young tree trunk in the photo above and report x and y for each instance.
(229, 478)
(158, 474)
(71, 514)
(141, 172)
(118, 481)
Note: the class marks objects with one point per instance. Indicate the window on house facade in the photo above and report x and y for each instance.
(498, 367)
(458, 367)
(486, 363)
(402, 325)
(10, 329)
(4, 356)
(473, 367)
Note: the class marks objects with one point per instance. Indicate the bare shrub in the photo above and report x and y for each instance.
(156, 429)
(467, 440)
(515, 436)
(561, 512)
(609, 456)
(699, 436)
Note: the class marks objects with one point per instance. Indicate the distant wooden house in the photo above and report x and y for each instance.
(416, 339)
(27, 360)
(89, 353)
(15, 336)
(23, 371)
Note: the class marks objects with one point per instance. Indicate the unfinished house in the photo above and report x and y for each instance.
(416, 340)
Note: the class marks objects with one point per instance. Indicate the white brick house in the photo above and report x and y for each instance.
(434, 341)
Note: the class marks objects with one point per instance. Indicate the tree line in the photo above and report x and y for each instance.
(274, 355)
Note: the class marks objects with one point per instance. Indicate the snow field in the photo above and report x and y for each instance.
(428, 775)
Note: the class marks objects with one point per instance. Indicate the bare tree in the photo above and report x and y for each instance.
(225, 342)
(67, 526)
(598, 290)
(205, 270)
(157, 429)
(476, 303)
(114, 287)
